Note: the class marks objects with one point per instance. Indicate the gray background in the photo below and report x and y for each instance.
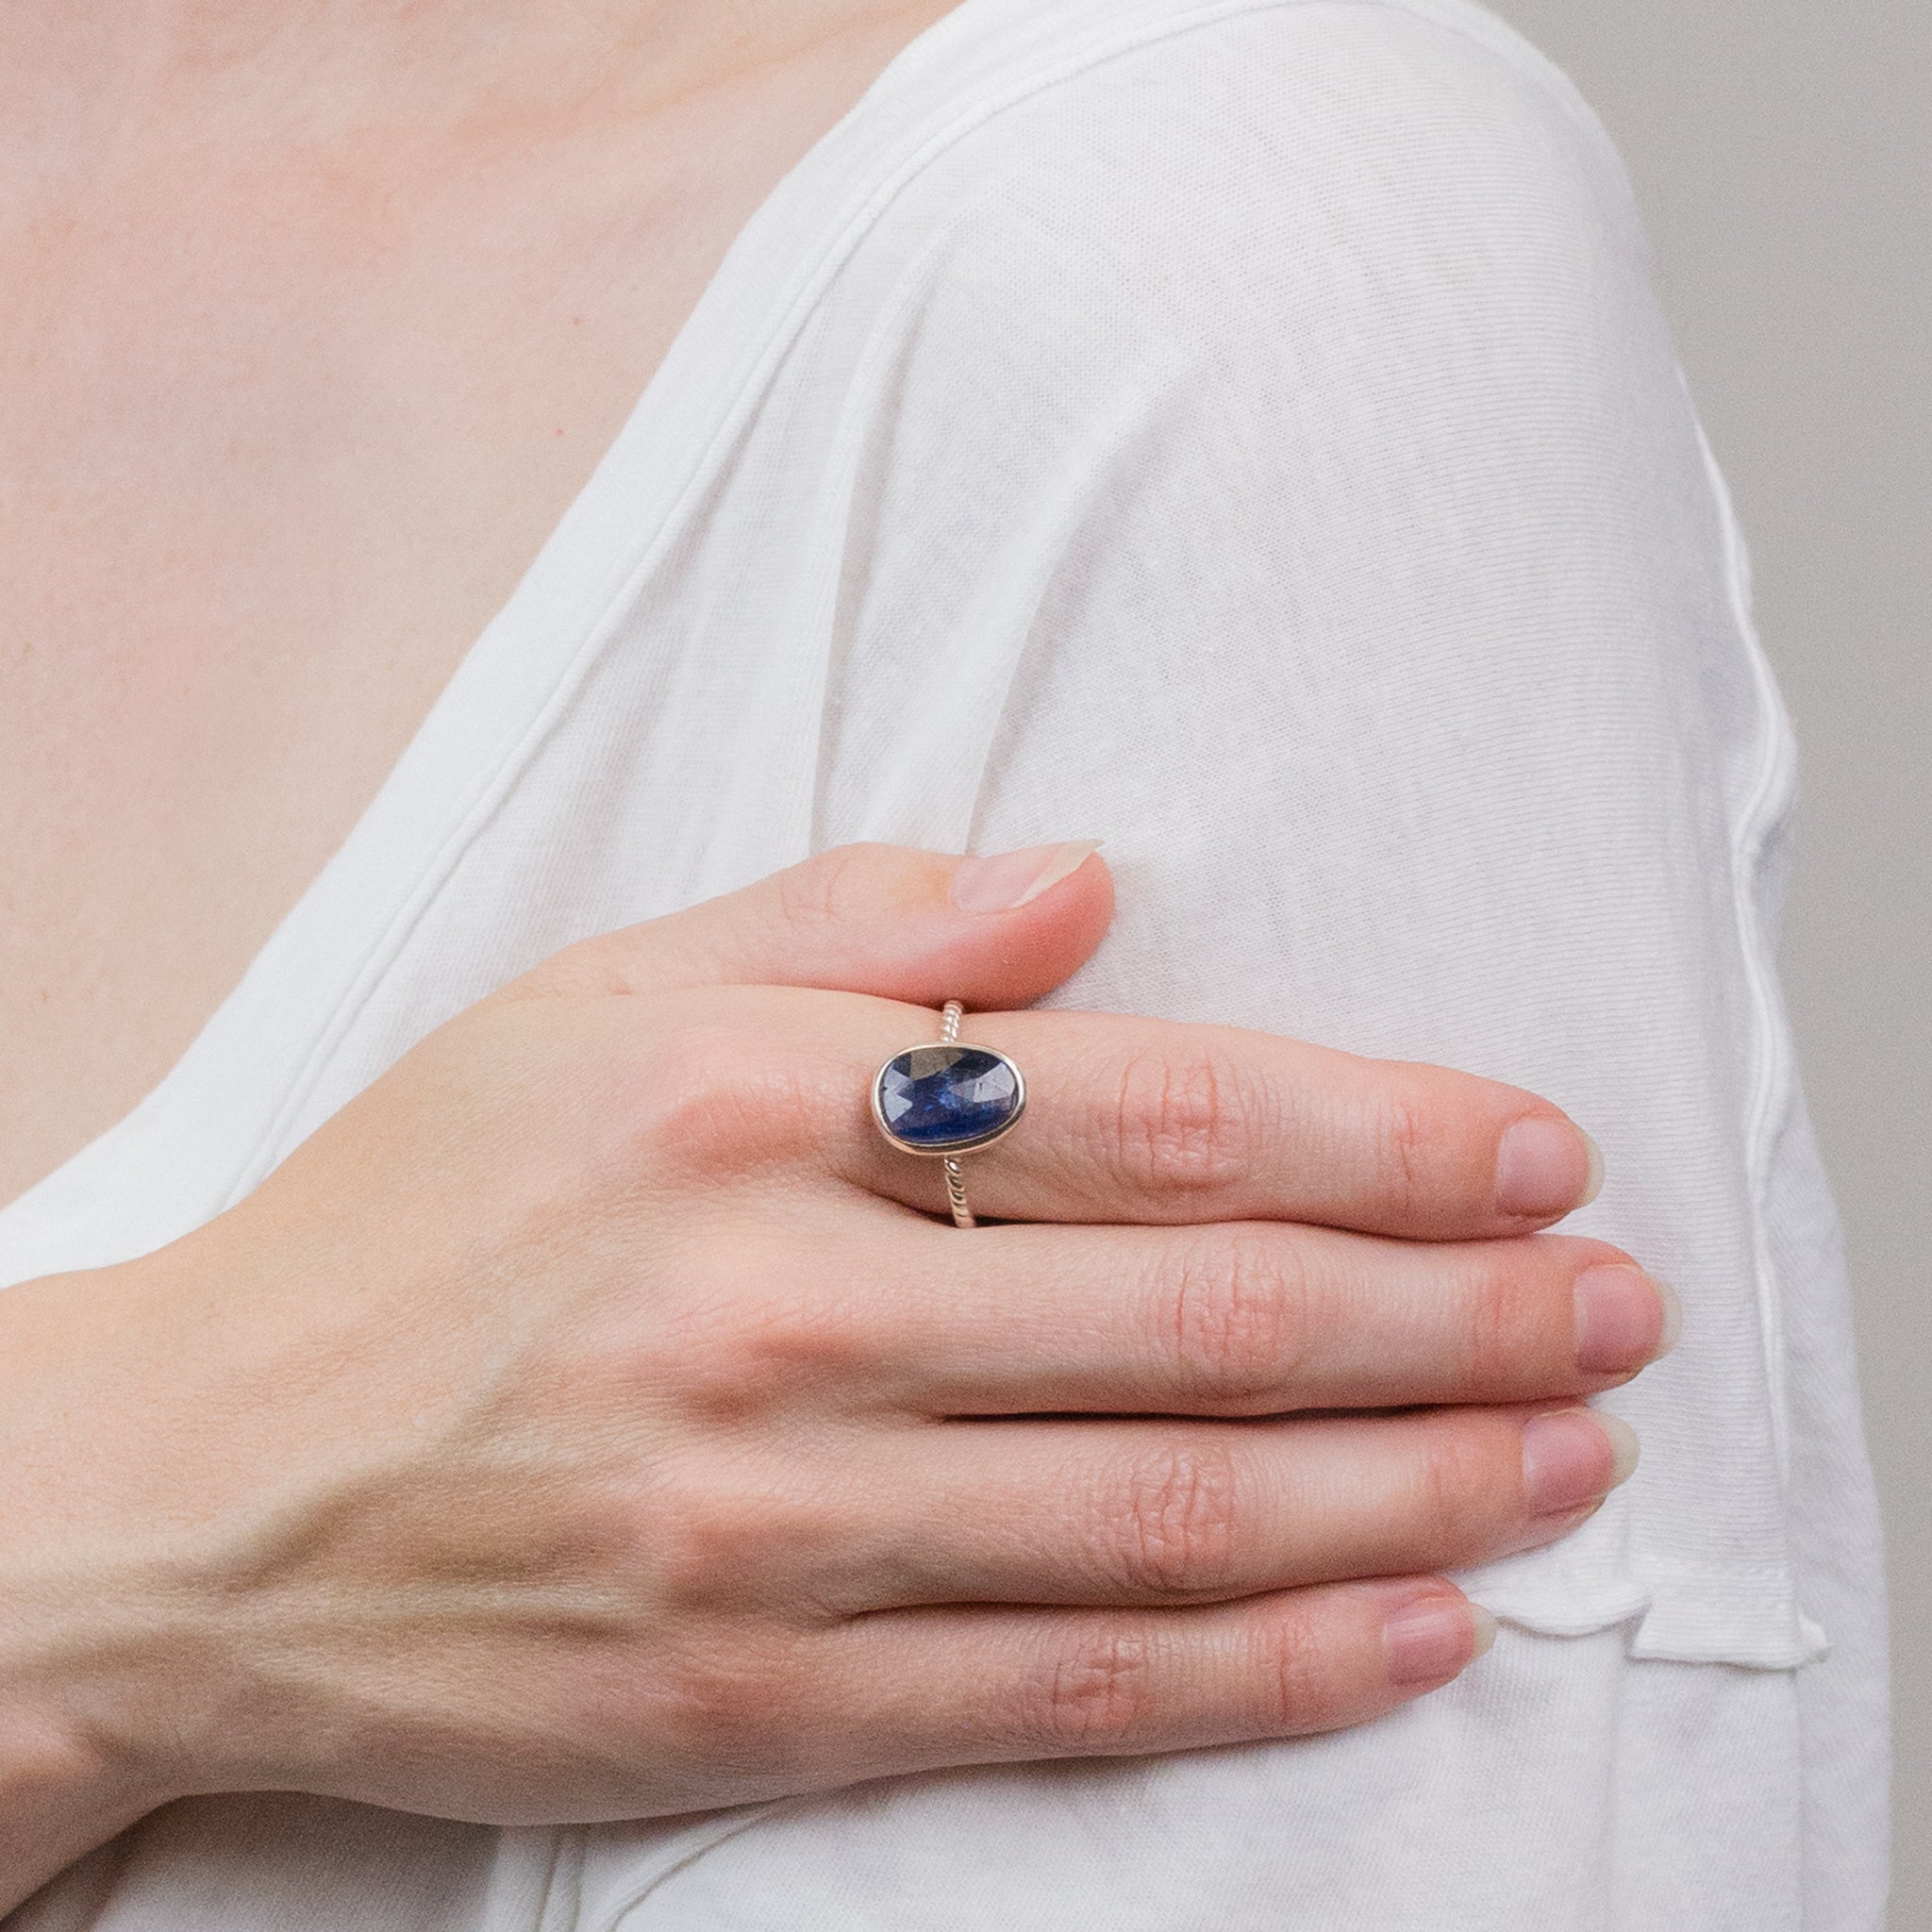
(1782, 153)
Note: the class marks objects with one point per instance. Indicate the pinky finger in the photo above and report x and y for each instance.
(967, 1685)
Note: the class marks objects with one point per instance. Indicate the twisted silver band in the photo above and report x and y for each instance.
(947, 1099)
(950, 1016)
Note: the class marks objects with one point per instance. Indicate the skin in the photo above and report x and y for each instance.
(319, 315)
(553, 1436)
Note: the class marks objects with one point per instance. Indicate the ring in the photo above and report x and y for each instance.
(947, 1100)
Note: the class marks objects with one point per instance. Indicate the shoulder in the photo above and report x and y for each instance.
(1237, 149)
(1262, 232)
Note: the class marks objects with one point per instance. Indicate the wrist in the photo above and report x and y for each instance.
(71, 1772)
(82, 1632)
(58, 1798)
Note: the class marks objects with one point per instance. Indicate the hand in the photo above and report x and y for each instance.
(593, 1421)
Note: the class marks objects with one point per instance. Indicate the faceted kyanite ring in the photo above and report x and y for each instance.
(946, 1100)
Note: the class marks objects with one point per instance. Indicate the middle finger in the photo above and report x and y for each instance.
(1246, 1318)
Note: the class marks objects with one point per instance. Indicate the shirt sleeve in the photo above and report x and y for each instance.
(1280, 463)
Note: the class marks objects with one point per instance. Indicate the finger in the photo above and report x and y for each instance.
(1161, 1511)
(961, 1686)
(919, 926)
(1249, 1318)
(1136, 1120)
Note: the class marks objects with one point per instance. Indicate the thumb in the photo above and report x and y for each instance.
(918, 926)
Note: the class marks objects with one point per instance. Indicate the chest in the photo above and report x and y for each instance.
(279, 435)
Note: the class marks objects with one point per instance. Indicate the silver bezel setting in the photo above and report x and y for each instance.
(957, 1147)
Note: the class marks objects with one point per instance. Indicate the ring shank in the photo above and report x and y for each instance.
(950, 1016)
(956, 1193)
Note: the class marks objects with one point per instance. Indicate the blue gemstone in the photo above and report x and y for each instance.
(940, 1097)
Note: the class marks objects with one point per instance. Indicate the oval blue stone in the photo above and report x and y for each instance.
(938, 1097)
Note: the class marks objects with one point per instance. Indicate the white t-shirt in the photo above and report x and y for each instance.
(1244, 432)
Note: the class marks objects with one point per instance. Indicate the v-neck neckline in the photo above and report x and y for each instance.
(216, 1122)
(276, 1028)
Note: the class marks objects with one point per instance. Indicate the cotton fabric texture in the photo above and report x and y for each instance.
(1243, 431)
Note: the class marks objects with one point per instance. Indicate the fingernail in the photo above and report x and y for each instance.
(1007, 880)
(1572, 1456)
(1673, 1318)
(1624, 1318)
(1545, 1167)
(1429, 1641)
(1485, 1631)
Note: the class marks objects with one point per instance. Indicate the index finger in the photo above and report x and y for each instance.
(1135, 1120)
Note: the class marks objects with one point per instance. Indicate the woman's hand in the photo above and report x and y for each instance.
(585, 1424)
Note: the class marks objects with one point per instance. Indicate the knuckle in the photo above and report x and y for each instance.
(830, 889)
(1409, 1140)
(734, 1351)
(1172, 1532)
(712, 1543)
(1234, 1311)
(709, 1102)
(693, 1543)
(684, 1089)
(1496, 1331)
(1192, 1123)
(1295, 1684)
(737, 1702)
(1096, 1691)
(1454, 1490)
